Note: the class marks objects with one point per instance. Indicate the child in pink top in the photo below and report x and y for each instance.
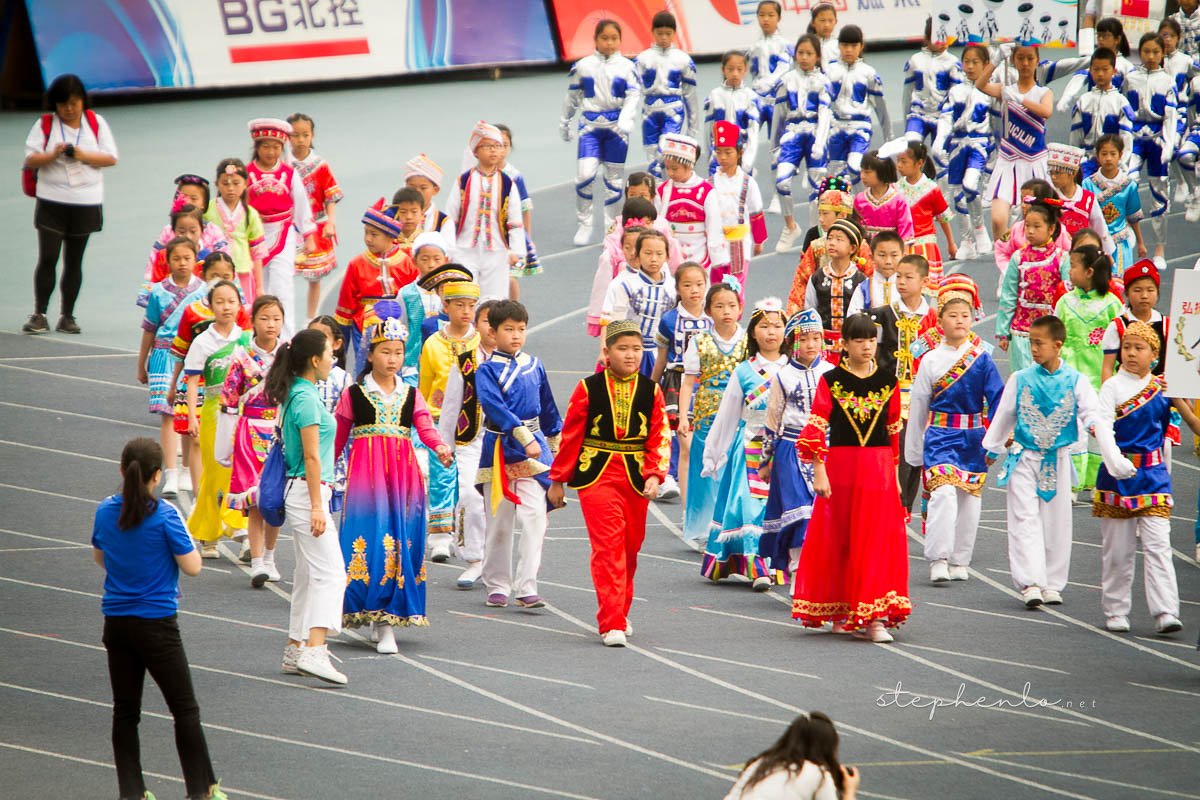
(1015, 240)
(881, 205)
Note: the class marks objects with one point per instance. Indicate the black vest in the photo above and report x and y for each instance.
(600, 442)
(466, 427)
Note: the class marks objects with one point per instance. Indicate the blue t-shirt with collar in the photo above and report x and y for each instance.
(141, 578)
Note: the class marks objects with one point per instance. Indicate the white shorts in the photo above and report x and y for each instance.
(1009, 175)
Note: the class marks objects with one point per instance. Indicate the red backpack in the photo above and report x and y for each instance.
(29, 175)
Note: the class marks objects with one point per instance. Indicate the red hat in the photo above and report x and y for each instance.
(1141, 269)
(726, 134)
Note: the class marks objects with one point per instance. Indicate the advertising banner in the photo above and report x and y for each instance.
(709, 27)
(1046, 23)
(150, 44)
(1183, 340)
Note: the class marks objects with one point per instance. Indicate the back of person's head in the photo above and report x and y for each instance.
(141, 458)
(638, 208)
(335, 330)
(292, 359)
(506, 310)
(1094, 258)
(1037, 188)
(823, 746)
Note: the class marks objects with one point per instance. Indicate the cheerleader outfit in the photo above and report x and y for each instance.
(165, 305)
(322, 189)
(732, 455)
(1086, 316)
(1030, 288)
(1137, 507)
(927, 206)
(676, 330)
(606, 91)
(855, 91)
(854, 564)
(210, 357)
(1022, 151)
(1121, 206)
(1153, 99)
(279, 198)
(529, 265)
(246, 427)
(1100, 112)
(383, 526)
(770, 58)
(669, 101)
(802, 106)
(243, 229)
(711, 360)
(742, 220)
(890, 212)
(928, 79)
(739, 105)
(955, 393)
(790, 495)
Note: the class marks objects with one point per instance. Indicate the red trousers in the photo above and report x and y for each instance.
(616, 523)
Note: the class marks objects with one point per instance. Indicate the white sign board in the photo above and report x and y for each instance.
(1183, 338)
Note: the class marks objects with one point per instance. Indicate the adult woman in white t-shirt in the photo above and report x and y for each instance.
(68, 158)
(801, 765)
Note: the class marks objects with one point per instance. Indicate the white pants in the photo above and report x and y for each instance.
(320, 578)
(1039, 533)
(951, 522)
(279, 279)
(498, 572)
(491, 271)
(470, 501)
(1119, 538)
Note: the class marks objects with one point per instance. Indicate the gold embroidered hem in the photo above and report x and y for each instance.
(529, 468)
(891, 609)
(938, 481)
(363, 618)
(1115, 512)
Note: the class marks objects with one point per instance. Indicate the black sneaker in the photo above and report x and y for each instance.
(36, 324)
(67, 324)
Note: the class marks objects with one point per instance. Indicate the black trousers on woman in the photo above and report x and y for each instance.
(136, 646)
(62, 228)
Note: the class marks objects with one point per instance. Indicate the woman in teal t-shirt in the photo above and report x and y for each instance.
(307, 431)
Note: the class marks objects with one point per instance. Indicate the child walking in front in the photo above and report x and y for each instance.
(522, 428)
(323, 196)
(614, 453)
(1032, 283)
(956, 392)
(927, 206)
(1117, 194)
(669, 101)
(241, 223)
(733, 454)
(741, 204)
(1043, 409)
(856, 92)
(643, 295)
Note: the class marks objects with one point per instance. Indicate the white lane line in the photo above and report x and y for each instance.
(60, 341)
(236, 792)
(722, 711)
(841, 725)
(738, 663)
(40, 549)
(1021, 664)
(87, 500)
(1168, 643)
(59, 452)
(324, 692)
(656, 557)
(665, 520)
(514, 673)
(583, 589)
(57, 411)
(901, 694)
(1139, 788)
(569, 251)
(560, 318)
(66, 358)
(63, 375)
(1164, 689)
(1085, 585)
(793, 625)
(1008, 617)
(43, 538)
(543, 628)
(277, 739)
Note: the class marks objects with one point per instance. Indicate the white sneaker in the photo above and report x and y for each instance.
(1160, 262)
(387, 640)
(440, 554)
(939, 571)
(170, 487)
(290, 654)
(1181, 192)
(669, 490)
(983, 241)
(787, 239)
(1051, 597)
(959, 572)
(185, 480)
(1191, 211)
(469, 576)
(1117, 624)
(244, 556)
(761, 584)
(375, 626)
(315, 661)
(1198, 551)
(628, 629)
(272, 572)
(1032, 596)
(583, 234)
(613, 638)
(774, 207)
(209, 550)
(1167, 623)
(875, 632)
(258, 573)
(966, 250)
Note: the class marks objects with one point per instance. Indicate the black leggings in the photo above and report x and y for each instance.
(136, 646)
(49, 245)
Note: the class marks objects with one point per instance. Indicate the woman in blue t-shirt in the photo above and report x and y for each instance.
(307, 430)
(142, 543)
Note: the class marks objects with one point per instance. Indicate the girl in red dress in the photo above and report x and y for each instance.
(854, 564)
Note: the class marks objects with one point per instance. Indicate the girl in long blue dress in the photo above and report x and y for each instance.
(733, 451)
(383, 530)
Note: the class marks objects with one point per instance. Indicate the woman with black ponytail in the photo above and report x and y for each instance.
(142, 544)
(307, 430)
